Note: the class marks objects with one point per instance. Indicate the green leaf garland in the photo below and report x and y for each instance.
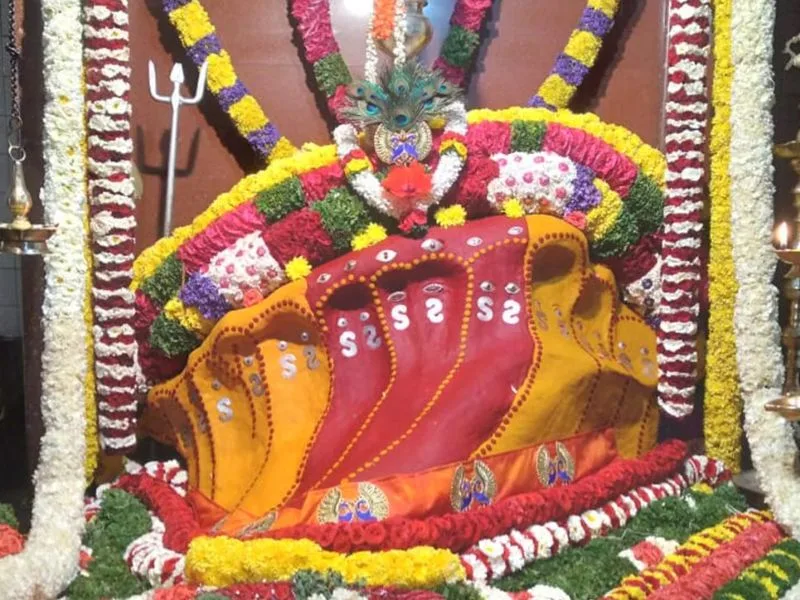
(645, 202)
(8, 516)
(527, 136)
(343, 216)
(121, 520)
(331, 72)
(172, 338)
(166, 281)
(459, 46)
(280, 200)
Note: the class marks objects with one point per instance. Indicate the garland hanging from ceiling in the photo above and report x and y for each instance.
(686, 114)
(113, 218)
(50, 557)
(722, 416)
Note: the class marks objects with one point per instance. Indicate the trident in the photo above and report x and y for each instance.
(176, 76)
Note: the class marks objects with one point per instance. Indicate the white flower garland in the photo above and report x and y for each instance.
(50, 558)
(400, 27)
(756, 310)
(504, 554)
(113, 221)
(367, 185)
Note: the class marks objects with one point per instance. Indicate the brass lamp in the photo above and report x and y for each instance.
(419, 30)
(788, 252)
(20, 236)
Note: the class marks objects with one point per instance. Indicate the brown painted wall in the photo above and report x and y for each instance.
(523, 38)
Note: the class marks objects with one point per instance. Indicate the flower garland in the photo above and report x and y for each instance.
(50, 557)
(769, 578)
(113, 219)
(723, 564)
(752, 191)
(693, 551)
(305, 211)
(756, 315)
(360, 174)
(591, 570)
(578, 57)
(722, 422)
(512, 551)
(224, 561)
(330, 71)
(686, 116)
(200, 39)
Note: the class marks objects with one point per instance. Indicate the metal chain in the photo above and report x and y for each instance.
(14, 54)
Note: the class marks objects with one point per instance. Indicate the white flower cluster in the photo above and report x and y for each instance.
(542, 181)
(247, 265)
(50, 558)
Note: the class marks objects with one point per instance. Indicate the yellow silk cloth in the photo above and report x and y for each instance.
(247, 411)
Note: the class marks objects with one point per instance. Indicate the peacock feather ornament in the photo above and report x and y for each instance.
(397, 110)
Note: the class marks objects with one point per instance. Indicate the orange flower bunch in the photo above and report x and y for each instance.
(383, 19)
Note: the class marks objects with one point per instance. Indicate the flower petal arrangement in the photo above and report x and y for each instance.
(417, 363)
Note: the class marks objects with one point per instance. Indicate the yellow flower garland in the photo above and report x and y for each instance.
(723, 405)
(221, 561)
(90, 430)
(190, 317)
(701, 544)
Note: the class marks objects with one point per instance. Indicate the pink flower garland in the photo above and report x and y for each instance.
(681, 278)
(113, 219)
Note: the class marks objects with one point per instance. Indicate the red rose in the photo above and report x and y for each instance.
(413, 219)
(252, 297)
(375, 535)
(399, 535)
(355, 532)
(341, 542)
(324, 535)
(576, 218)
(11, 541)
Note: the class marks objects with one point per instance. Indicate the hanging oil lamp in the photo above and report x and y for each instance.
(20, 236)
(419, 30)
